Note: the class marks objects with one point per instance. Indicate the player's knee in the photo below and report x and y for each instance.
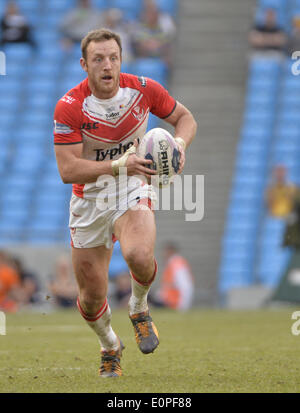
(91, 301)
(140, 259)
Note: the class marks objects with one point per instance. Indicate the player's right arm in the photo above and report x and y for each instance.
(69, 146)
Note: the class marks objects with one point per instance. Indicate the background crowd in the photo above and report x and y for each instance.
(152, 35)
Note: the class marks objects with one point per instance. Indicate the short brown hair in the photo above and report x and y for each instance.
(99, 35)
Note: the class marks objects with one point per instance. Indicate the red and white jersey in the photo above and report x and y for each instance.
(108, 127)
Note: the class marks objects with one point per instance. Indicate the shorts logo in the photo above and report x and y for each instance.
(73, 230)
(138, 112)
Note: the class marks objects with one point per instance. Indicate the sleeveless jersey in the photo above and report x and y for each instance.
(108, 127)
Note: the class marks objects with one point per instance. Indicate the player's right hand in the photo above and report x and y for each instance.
(138, 166)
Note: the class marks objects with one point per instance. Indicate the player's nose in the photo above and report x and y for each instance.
(107, 64)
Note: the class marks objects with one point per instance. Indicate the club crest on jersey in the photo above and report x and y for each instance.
(138, 112)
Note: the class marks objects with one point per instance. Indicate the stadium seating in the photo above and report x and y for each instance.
(34, 201)
(252, 249)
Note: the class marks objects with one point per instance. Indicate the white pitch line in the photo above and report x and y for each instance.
(40, 328)
(11, 370)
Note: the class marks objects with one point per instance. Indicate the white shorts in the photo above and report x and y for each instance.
(91, 226)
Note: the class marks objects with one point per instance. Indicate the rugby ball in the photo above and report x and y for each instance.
(160, 146)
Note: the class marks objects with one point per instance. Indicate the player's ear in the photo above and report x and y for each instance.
(83, 64)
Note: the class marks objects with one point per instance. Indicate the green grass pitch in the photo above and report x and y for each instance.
(200, 351)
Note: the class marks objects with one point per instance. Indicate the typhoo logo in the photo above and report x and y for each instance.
(2, 64)
(102, 154)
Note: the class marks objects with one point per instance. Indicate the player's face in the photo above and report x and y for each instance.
(103, 65)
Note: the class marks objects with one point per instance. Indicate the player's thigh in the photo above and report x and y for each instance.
(91, 269)
(136, 231)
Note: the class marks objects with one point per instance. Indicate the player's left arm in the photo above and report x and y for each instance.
(185, 129)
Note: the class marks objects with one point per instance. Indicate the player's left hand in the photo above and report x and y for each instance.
(182, 158)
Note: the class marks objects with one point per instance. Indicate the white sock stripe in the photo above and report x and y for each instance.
(97, 315)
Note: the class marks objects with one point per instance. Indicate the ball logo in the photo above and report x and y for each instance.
(176, 160)
(138, 112)
(163, 144)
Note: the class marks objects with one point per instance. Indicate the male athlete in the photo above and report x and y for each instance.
(97, 127)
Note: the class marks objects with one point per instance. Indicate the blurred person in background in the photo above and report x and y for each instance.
(268, 35)
(177, 282)
(113, 20)
(15, 27)
(119, 277)
(154, 34)
(291, 236)
(9, 283)
(27, 292)
(63, 287)
(280, 194)
(78, 22)
(122, 289)
(283, 202)
(294, 38)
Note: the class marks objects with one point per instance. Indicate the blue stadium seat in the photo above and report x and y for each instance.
(234, 275)
(153, 122)
(266, 67)
(40, 100)
(30, 136)
(19, 216)
(117, 263)
(47, 85)
(151, 67)
(10, 85)
(19, 180)
(7, 119)
(47, 35)
(101, 4)
(131, 8)
(168, 6)
(19, 52)
(59, 6)
(51, 51)
(45, 68)
(51, 19)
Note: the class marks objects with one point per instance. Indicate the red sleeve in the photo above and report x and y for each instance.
(161, 103)
(67, 122)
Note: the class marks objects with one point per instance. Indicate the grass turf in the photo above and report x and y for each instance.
(200, 351)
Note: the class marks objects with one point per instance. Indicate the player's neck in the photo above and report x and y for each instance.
(102, 95)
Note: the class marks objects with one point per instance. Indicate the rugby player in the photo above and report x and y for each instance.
(97, 125)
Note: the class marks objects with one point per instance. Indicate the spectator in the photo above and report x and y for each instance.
(122, 289)
(78, 22)
(27, 292)
(280, 194)
(9, 282)
(154, 35)
(113, 20)
(15, 27)
(177, 283)
(291, 236)
(268, 35)
(120, 283)
(63, 288)
(294, 40)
